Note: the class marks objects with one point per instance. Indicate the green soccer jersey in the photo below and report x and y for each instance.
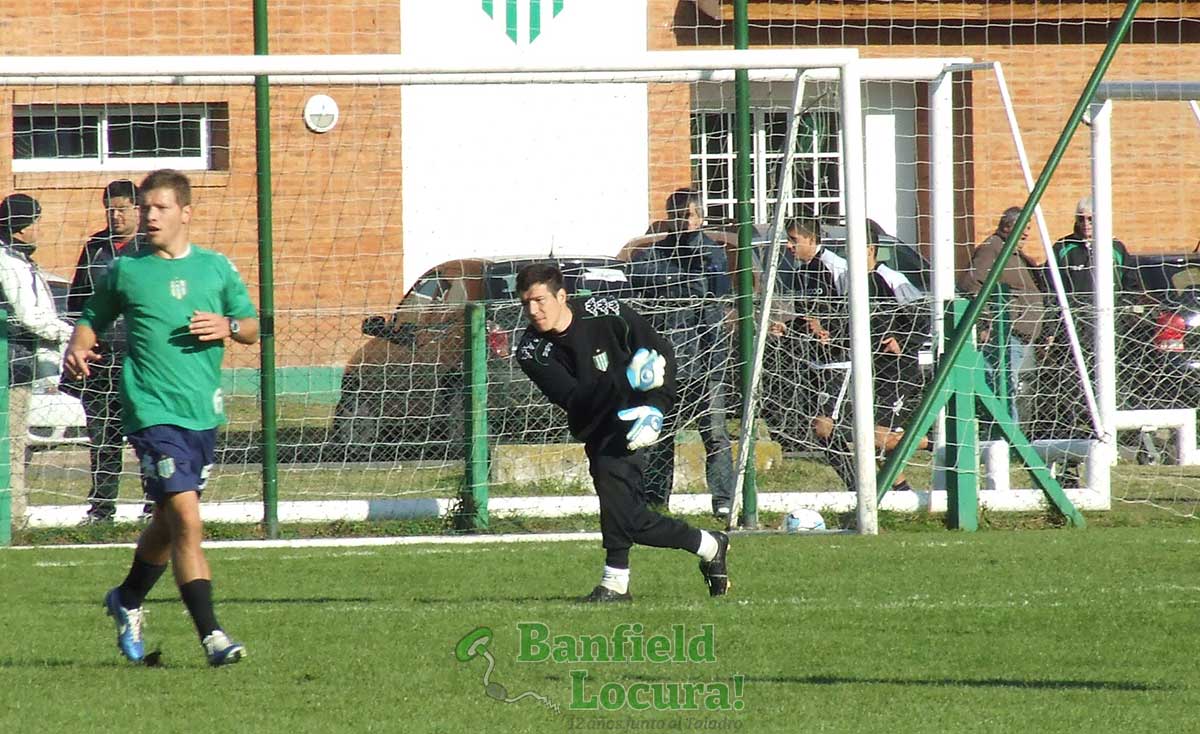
(170, 376)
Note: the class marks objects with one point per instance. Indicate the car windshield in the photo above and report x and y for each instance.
(431, 288)
(580, 277)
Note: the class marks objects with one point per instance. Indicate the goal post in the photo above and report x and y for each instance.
(1137, 410)
(960, 337)
(325, 473)
(371, 292)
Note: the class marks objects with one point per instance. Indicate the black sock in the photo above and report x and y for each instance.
(617, 558)
(197, 597)
(138, 583)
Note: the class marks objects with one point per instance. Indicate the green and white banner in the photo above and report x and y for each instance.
(520, 169)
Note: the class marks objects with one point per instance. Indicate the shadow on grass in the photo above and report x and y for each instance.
(500, 598)
(42, 663)
(173, 600)
(288, 600)
(1034, 684)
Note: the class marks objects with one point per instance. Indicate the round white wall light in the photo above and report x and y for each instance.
(320, 113)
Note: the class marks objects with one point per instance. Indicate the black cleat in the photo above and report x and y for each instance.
(603, 595)
(97, 518)
(716, 574)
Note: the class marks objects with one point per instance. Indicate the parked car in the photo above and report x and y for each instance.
(403, 391)
(55, 418)
(1159, 335)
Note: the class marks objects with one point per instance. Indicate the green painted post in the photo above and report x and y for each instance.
(744, 191)
(962, 470)
(1001, 335)
(473, 512)
(5, 440)
(266, 282)
(958, 340)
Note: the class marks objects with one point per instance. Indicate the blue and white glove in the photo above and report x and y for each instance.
(646, 370)
(647, 424)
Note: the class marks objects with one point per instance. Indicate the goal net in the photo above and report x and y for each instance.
(405, 188)
(394, 205)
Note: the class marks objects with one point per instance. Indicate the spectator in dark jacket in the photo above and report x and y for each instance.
(899, 329)
(1066, 415)
(1073, 253)
(100, 393)
(686, 274)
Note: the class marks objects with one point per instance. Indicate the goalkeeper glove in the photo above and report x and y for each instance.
(647, 423)
(646, 370)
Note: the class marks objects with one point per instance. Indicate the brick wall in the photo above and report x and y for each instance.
(337, 207)
(1048, 54)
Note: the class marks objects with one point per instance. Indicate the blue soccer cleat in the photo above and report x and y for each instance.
(221, 650)
(129, 627)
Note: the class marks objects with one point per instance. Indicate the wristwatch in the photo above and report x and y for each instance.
(234, 327)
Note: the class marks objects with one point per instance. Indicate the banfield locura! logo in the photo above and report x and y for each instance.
(178, 288)
(511, 20)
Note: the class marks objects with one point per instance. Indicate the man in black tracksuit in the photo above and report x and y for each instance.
(1067, 416)
(899, 327)
(603, 364)
(808, 311)
(100, 394)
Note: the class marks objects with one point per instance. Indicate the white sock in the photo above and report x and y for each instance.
(708, 546)
(615, 579)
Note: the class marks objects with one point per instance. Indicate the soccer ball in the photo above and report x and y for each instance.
(800, 521)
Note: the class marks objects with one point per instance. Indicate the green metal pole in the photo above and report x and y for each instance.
(904, 450)
(962, 467)
(266, 282)
(1002, 336)
(473, 512)
(997, 353)
(743, 188)
(5, 440)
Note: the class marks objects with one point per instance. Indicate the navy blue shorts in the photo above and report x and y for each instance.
(173, 459)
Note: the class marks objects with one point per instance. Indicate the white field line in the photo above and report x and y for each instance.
(356, 542)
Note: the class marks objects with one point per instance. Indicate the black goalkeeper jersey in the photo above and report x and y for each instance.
(582, 370)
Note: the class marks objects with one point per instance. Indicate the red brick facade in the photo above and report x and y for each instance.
(337, 204)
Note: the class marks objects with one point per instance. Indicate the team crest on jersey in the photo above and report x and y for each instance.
(600, 359)
(178, 288)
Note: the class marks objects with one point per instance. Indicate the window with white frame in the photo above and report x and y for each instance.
(124, 137)
(815, 190)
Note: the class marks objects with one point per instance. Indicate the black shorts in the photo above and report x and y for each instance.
(173, 459)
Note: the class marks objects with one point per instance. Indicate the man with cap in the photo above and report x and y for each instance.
(1065, 417)
(36, 334)
(100, 393)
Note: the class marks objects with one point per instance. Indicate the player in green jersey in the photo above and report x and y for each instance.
(180, 303)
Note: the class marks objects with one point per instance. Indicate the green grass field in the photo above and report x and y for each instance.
(1049, 630)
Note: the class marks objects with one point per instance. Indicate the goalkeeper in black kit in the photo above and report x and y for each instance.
(600, 361)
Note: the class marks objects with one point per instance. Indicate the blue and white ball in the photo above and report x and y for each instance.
(803, 521)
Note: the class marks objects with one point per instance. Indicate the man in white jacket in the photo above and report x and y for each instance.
(33, 327)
